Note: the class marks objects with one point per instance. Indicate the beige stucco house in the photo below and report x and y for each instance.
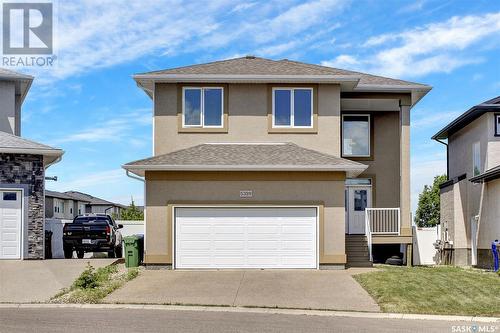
(470, 199)
(276, 164)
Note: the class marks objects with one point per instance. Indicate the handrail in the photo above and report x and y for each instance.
(368, 233)
(385, 221)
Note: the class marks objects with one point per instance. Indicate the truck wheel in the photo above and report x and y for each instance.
(68, 253)
(80, 254)
(111, 254)
(118, 251)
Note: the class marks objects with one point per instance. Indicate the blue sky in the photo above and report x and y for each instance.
(89, 105)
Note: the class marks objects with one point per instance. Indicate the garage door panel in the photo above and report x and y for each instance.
(10, 224)
(274, 237)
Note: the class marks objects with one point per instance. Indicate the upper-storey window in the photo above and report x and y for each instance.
(202, 107)
(497, 124)
(356, 135)
(476, 158)
(293, 107)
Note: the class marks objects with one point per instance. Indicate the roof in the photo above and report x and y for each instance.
(488, 175)
(14, 144)
(55, 194)
(467, 117)
(22, 81)
(246, 157)
(75, 195)
(254, 70)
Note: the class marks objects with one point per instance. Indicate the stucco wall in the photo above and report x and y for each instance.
(303, 188)
(489, 224)
(7, 107)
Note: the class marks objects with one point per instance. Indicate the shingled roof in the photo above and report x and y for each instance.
(246, 157)
(14, 144)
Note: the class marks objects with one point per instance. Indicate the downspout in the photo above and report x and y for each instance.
(447, 158)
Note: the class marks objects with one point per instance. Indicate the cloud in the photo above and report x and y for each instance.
(89, 180)
(434, 48)
(423, 172)
(437, 119)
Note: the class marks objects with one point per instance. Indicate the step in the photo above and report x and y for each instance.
(360, 264)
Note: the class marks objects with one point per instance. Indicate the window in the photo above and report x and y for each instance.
(497, 124)
(9, 196)
(358, 181)
(476, 159)
(356, 135)
(360, 200)
(293, 107)
(202, 107)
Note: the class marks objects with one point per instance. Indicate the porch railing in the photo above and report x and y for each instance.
(383, 221)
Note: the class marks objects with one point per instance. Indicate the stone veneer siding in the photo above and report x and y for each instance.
(28, 170)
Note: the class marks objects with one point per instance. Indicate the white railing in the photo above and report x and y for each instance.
(382, 221)
(385, 221)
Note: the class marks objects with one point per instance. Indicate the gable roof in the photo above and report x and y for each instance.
(252, 69)
(22, 81)
(13, 144)
(246, 157)
(75, 195)
(492, 105)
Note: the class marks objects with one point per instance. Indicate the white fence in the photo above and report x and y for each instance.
(424, 252)
(56, 226)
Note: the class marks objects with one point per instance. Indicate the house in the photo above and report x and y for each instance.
(22, 175)
(276, 164)
(67, 205)
(470, 199)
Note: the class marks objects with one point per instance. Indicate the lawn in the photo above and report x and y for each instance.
(95, 284)
(434, 290)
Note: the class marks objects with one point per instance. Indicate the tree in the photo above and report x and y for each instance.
(427, 214)
(132, 213)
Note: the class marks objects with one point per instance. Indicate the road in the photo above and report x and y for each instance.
(136, 320)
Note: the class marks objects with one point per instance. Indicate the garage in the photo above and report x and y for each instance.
(10, 224)
(245, 237)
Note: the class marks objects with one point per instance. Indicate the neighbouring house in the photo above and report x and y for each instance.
(67, 205)
(276, 164)
(22, 175)
(470, 199)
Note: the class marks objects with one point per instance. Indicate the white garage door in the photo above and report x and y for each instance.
(10, 224)
(281, 237)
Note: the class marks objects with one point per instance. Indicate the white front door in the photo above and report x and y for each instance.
(245, 237)
(358, 198)
(10, 224)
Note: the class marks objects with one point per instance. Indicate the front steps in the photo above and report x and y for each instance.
(357, 251)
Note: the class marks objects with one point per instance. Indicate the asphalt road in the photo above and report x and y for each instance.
(127, 320)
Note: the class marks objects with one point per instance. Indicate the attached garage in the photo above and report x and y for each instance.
(10, 224)
(246, 237)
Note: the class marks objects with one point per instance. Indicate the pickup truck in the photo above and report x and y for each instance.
(92, 233)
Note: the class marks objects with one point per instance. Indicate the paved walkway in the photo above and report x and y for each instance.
(24, 281)
(304, 289)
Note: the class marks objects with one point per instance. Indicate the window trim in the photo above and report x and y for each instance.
(478, 143)
(369, 134)
(202, 107)
(497, 121)
(292, 104)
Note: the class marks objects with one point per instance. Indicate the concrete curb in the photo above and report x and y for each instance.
(327, 313)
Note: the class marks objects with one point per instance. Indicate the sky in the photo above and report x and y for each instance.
(88, 104)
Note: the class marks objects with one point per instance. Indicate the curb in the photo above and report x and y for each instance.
(327, 313)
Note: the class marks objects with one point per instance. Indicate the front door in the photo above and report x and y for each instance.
(358, 198)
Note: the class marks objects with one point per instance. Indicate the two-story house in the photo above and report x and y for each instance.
(22, 175)
(67, 205)
(470, 199)
(276, 164)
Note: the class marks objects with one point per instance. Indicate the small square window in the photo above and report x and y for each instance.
(9, 196)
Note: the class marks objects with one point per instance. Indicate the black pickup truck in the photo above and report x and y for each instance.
(92, 233)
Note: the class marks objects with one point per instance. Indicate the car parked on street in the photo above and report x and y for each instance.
(92, 233)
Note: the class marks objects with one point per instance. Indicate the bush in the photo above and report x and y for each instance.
(92, 278)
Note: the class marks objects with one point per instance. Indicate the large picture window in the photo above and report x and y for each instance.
(476, 159)
(293, 107)
(356, 135)
(202, 107)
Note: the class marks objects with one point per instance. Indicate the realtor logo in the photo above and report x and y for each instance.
(27, 28)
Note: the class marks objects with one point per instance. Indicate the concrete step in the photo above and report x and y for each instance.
(359, 264)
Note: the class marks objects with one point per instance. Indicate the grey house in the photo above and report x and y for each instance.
(470, 199)
(22, 171)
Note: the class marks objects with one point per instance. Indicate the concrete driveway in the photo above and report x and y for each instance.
(23, 281)
(304, 289)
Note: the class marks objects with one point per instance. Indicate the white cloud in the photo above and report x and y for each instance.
(433, 48)
(437, 119)
(423, 172)
(342, 61)
(89, 180)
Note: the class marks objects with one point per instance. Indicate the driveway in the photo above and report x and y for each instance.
(305, 289)
(24, 281)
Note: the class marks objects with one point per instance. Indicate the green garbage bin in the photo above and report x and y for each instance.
(134, 246)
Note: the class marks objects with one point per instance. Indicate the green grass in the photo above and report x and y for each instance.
(434, 290)
(95, 284)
